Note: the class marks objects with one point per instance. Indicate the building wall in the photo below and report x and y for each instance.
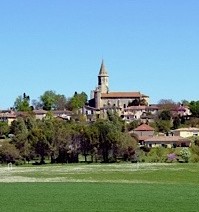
(123, 103)
(185, 134)
(144, 133)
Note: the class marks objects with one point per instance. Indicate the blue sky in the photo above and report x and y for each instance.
(150, 46)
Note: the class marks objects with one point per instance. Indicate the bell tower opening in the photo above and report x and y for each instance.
(103, 77)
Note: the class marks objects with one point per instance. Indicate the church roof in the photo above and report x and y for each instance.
(103, 71)
(122, 95)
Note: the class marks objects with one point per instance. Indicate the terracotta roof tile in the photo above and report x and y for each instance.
(122, 95)
(167, 139)
(40, 111)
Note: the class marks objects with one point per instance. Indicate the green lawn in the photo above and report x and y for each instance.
(114, 187)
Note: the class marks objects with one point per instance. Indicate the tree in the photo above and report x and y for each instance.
(86, 142)
(77, 101)
(37, 104)
(116, 120)
(8, 153)
(166, 104)
(184, 102)
(18, 127)
(108, 138)
(39, 143)
(4, 128)
(163, 125)
(48, 100)
(165, 115)
(176, 122)
(194, 108)
(132, 125)
(21, 129)
(52, 101)
(22, 103)
(60, 102)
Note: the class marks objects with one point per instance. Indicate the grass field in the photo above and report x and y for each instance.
(100, 187)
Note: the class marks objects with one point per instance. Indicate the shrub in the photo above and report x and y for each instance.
(185, 154)
(171, 157)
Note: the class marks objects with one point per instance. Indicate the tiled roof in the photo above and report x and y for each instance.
(144, 127)
(189, 129)
(7, 115)
(90, 108)
(143, 138)
(40, 112)
(57, 112)
(135, 108)
(110, 107)
(141, 107)
(167, 139)
(122, 95)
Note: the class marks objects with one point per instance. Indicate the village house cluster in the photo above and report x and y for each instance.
(129, 106)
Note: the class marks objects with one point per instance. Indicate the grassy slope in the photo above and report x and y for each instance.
(97, 197)
(157, 188)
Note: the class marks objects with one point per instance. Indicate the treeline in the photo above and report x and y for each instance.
(50, 100)
(63, 141)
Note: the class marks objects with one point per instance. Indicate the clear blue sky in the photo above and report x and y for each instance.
(150, 46)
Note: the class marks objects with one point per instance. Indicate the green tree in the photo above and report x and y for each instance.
(163, 126)
(52, 101)
(108, 138)
(176, 122)
(22, 103)
(132, 125)
(60, 102)
(4, 128)
(77, 101)
(86, 142)
(194, 108)
(48, 100)
(165, 115)
(8, 153)
(18, 127)
(21, 129)
(39, 143)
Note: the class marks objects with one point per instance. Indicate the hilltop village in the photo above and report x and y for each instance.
(114, 114)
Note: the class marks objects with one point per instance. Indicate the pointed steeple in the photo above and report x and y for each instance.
(103, 83)
(103, 71)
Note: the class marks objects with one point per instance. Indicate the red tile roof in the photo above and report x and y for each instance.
(167, 139)
(7, 115)
(144, 127)
(123, 95)
(135, 108)
(40, 112)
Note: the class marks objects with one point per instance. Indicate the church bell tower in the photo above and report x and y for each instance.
(103, 79)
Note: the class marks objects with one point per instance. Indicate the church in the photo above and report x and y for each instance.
(128, 105)
(101, 97)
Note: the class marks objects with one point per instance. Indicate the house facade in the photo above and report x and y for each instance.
(7, 116)
(186, 132)
(143, 112)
